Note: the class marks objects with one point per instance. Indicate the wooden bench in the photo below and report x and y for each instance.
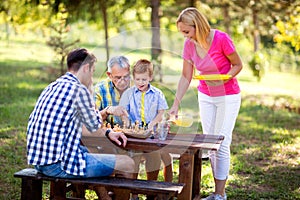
(32, 183)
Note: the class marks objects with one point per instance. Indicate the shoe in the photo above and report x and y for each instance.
(216, 197)
(210, 197)
(220, 197)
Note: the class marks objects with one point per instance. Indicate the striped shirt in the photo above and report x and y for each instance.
(154, 101)
(55, 125)
(106, 94)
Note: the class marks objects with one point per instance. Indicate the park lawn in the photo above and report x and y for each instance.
(265, 149)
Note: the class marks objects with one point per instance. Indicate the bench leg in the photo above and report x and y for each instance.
(78, 190)
(31, 189)
(58, 190)
(164, 197)
(121, 194)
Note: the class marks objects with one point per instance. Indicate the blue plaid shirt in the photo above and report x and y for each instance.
(106, 94)
(55, 125)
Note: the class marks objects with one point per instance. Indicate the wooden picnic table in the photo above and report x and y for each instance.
(189, 146)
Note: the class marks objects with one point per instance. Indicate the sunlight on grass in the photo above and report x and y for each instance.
(4, 130)
(207, 180)
(286, 155)
(288, 84)
(24, 86)
(26, 51)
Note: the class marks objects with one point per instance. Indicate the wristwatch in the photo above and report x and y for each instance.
(107, 132)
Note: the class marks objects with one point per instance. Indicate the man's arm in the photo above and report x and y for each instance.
(117, 137)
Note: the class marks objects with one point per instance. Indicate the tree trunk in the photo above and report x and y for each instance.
(256, 35)
(156, 45)
(104, 14)
(62, 62)
(227, 19)
(192, 3)
(7, 28)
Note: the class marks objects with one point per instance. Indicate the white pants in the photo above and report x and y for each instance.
(218, 116)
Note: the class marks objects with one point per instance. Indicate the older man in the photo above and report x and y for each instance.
(107, 92)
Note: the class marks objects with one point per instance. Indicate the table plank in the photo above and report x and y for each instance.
(183, 141)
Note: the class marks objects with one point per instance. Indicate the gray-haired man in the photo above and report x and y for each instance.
(107, 92)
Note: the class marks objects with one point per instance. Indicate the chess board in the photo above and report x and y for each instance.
(136, 133)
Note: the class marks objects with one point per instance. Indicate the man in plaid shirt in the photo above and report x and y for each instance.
(56, 125)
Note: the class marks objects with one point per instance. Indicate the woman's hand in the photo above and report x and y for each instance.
(173, 110)
(215, 83)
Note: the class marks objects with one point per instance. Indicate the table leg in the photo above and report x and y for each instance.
(186, 170)
(197, 174)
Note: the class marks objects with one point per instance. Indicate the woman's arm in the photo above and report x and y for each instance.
(183, 85)
(236, 64)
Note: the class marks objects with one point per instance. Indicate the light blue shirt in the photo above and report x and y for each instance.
(154, 101)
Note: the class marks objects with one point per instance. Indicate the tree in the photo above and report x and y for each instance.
(59, 39)
(263, 15)
(21, 15)
(105, 23)
(156, 45)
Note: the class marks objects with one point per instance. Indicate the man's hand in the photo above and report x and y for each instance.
(118, 137)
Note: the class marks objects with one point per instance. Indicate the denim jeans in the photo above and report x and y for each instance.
(97, 165)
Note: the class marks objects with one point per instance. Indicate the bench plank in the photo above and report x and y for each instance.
(163, 190)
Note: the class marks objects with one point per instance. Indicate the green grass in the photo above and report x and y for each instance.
(265, 148)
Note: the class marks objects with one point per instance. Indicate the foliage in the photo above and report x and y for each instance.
(58, 41)
(18, 16)
(282, 58)
(129, 16)
(257, 64)
(289, 29)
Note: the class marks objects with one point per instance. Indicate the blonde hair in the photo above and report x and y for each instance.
(143, 66)
(192, 17)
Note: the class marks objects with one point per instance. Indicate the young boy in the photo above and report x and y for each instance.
(146, 104)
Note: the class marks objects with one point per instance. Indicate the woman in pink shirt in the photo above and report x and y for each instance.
(211, 51)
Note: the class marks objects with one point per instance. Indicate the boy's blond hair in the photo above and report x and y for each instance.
(143, 66)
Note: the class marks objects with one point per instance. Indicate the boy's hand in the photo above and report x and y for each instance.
(151, 125)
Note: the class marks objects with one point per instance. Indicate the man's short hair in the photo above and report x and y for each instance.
(78, 57)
